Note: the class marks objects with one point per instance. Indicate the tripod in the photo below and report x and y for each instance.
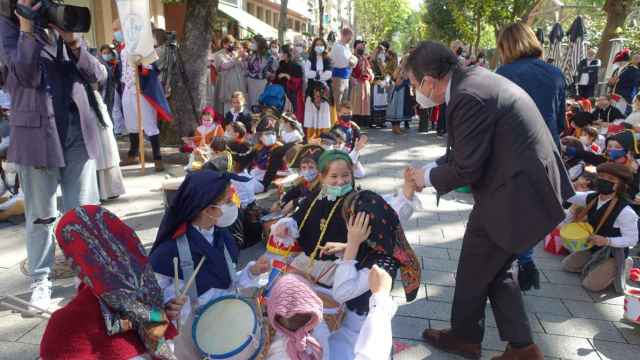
(170, 60)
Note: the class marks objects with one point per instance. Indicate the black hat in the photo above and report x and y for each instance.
(293, 121)
(241, 153)
(582, 118)
(267, 123)
(300, 152)
(329, 137)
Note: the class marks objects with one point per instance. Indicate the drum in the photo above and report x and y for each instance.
(170, 187)
(332, 311)
(228, 328)
(631, 292)
(575, 235)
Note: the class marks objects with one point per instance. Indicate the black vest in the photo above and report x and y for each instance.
(595, 215)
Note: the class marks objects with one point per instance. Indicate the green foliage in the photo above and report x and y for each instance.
(379, 20)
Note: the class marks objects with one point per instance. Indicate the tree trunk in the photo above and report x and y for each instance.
(617, 12)
(193, 51)
(478, 31)
(321, 15)
(284, 22)
(530, 17)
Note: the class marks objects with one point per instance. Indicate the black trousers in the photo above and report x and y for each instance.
(482, 273)
(134, 150)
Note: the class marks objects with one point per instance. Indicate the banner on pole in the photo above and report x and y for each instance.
(135, 21)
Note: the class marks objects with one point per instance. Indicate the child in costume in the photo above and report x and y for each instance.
(321, 225)
(118, 311)
(291, 132)
(237, 112)
(306, 162)
(317, 111)
(301, 333)
(349, 128)
(236, 132)
(269, 151)
(195, 226)
(615, 227)
(208, 128)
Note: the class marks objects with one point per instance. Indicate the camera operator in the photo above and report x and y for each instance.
(54, 126)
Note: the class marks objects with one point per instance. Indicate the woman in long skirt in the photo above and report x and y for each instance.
(260, 66)
(361, 85)
(231, 74)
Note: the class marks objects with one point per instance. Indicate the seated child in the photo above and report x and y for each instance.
(586, 182)
(194, 227)
(590, 139)
(291, 132)
(349, 128)
(579, 121)
(341, 144)
(118, 311)
(236, 132)
(237, 113)
(317, 114)
(615, 227)
(306, 162)
(575, 167)
(302, 334)
(269, 152)
(208, 128)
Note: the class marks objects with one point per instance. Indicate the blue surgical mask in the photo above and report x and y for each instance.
(107, 57)
(118, 36)
(309, 175)
(615, 154)
(334, 192)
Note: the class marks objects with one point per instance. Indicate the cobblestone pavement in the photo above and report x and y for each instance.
(568, 321)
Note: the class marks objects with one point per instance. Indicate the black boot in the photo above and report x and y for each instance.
(134, 151)
(157, 157)
(528, 276)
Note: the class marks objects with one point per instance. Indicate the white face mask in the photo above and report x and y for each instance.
(269, 140)
(584, 140)
(229, 215)
(319, 49)
(424, 101)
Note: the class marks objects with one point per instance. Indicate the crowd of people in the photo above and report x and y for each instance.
(290, 117)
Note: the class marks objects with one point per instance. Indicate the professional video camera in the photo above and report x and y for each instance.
(67, 17)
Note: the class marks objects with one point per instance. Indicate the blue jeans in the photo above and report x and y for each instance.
(525, 257)
(79, 186)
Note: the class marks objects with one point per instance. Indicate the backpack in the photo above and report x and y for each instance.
(273, 96)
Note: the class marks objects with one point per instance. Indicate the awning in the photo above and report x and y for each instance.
(249, 22)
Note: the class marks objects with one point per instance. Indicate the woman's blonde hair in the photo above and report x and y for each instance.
(238, 95)
(518, 41)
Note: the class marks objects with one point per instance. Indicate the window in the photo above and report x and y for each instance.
(251, 9)
(276, 19)
(267, 17)
(260, 13)
(297, 26)
(289, 23)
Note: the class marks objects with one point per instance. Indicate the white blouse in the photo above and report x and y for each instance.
(311, 75)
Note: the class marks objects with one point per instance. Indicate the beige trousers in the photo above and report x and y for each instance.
(599, 278)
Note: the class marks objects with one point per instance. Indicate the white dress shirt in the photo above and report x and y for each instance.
(627, 221)
(340, 55)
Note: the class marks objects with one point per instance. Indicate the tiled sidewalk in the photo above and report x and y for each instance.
(568, 322)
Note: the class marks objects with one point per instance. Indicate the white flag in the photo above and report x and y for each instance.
(135, 21)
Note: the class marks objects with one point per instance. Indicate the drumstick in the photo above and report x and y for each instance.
(27, 304)
(24, 311)
(176, 279)
(193, 277)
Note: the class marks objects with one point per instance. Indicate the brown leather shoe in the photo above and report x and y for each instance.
(443, 340)
(131, 160)
(531, 352)
(159, 166)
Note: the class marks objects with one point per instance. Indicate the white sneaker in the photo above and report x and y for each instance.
(40, 296)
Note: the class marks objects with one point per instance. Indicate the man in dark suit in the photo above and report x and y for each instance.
(499, 145)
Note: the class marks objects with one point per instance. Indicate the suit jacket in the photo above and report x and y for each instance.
(243, 117)
(500, 145)
(34, 135)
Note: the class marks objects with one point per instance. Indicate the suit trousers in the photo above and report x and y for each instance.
(483, 273)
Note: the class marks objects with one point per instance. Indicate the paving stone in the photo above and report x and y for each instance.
(536, 304)
(580, 327)
(454, 254)
(561, 292)
(616, 351)
(440, 293)
(607, 297)
(490, 321)
(14, 326)
(630, 332)
(408, 327)
(565, 347)
(431, 252)
(440, 265)
(562, 277)
(548, 264)
(438, 277)
(18, 351)
(34, 336)
(432, 310)
(595, 311)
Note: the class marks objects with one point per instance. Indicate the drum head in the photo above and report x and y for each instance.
(224, 327)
